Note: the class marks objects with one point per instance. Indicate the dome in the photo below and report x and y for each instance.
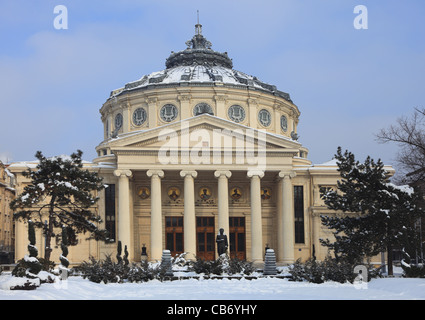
(199, 65)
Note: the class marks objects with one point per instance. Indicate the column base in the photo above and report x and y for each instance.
(259, 264)
(190, 256)
(285, 262)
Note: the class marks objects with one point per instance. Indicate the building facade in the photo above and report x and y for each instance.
(199, 147)
(7, 226)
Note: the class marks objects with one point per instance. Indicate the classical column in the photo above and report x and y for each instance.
(256, 219)
(189, 221)
(124, 219)
(156, 214)
(223, 200)
(287, 242)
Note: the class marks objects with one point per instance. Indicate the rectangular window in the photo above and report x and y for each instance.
(205, 238)
(174, 235)
(299, 213)
(237, 237)
(110, 211)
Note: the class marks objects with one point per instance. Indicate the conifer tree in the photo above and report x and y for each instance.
(126, 262)
(61, 192)
(34, 266)
(378, 215)
(29, 266)
(119, 251)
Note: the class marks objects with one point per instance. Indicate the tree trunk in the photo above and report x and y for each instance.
(49, 231)
(48, 248)
(390, 260)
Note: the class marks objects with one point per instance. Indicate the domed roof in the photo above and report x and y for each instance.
(199, 65)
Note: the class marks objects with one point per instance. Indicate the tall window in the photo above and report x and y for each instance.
(110, 211)
(299, 213)
(174, 234)
(237, 237)
(205, 238)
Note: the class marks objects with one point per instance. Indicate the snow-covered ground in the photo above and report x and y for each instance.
(77, 288)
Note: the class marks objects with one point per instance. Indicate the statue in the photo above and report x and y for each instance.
(222, 243)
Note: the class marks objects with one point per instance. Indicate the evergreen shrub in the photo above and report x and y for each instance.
(330, 269)
(413, 271)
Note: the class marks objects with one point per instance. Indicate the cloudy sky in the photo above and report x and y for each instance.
(348, 83)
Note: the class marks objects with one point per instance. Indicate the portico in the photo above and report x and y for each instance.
(167, 212)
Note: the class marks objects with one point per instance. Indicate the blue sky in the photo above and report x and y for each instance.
(347, 83)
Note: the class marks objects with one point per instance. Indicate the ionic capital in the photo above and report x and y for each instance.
(185, 173)
(287, 174)
(125, 173)
(253, 173)
(151, 173)
(220, 173)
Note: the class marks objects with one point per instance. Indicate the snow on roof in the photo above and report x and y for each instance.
(329, 163)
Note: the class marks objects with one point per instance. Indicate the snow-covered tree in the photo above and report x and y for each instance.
(378, 215)
(34, 266)
(29, 267)
(61, 192)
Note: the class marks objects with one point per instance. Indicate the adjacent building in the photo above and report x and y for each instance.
(7, 226)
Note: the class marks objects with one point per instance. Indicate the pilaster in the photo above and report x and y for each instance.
(286, 242)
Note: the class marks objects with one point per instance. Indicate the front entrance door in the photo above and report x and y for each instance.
(174, 235)
(237, 238)
(205, 240)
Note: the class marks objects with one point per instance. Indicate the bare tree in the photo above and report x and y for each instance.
(409, 134)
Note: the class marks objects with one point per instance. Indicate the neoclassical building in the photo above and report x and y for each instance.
(199, 147)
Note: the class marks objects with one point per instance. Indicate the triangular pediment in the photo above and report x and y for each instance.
(205, 131)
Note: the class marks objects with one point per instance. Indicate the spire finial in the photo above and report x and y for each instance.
(198, 27)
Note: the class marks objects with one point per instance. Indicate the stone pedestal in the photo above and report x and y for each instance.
(270, 263)
(166, 262)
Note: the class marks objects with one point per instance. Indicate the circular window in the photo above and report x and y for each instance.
(118, 121)
(202, 108)
(264, 117)
(284, 123)
(139, 116)
(168, 112)
(236, 113)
